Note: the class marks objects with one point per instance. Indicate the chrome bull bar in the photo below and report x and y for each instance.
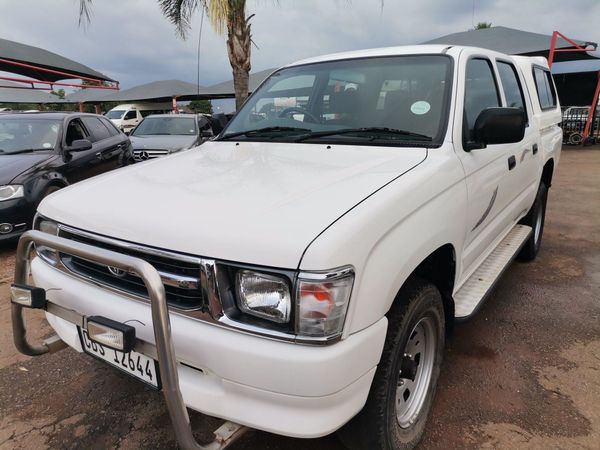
(165, 350)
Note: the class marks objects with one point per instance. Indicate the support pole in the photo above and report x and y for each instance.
(592, 113)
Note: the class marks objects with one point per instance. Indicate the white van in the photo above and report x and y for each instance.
(126, 117)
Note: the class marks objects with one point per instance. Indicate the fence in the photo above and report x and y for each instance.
(574, 119)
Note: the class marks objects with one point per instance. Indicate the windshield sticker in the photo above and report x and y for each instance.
(46, 145)
(419, 108)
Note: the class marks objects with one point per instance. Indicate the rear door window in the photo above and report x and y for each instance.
(511, 86)
(96, 128)
(111, 128)
(545, 88)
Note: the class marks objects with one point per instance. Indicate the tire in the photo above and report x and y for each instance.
(535, 218)
(49, 190)
(417, 317)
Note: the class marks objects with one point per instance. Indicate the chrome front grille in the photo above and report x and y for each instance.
(143, 155)
(180, 273)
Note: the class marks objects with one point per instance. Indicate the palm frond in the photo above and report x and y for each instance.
(181, 12)
(85, 12)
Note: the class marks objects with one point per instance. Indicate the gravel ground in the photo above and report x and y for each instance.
(524, 373)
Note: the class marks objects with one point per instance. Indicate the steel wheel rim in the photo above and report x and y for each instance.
(410, 395)
(538, 225)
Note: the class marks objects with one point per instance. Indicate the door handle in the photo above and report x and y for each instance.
(535, 148)
(512, 162)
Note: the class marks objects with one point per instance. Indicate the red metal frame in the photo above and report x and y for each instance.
(98, 84)
(588, 47)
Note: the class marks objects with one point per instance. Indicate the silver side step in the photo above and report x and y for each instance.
(475, 290)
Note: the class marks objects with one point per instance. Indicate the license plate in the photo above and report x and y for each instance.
(133, 363)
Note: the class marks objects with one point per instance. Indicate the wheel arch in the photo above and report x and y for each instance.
(548, 172)
(439, 268)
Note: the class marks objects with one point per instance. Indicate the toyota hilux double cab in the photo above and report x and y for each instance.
(301, 271)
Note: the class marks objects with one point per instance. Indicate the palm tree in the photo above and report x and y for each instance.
(224, 15)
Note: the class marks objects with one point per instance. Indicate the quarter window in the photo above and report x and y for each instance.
(511, 86)
(481, 92)
(545, 88)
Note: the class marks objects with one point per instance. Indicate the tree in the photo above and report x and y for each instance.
(60, 93)
(224, 15)
(201, 106)
(483, 25)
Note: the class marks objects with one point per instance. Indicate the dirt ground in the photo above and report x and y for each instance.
(524, 373)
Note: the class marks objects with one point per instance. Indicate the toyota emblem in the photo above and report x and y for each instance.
(116, 271)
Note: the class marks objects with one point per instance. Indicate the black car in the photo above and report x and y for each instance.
(162, 134)
(43, 152)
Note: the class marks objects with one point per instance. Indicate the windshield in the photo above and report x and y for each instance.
(27, 134)
(185, 126)
(388, 100)
(115, 114)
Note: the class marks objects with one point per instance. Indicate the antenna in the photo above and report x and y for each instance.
(473, 16)
(198, 59)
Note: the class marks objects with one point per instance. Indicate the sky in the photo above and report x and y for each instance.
(131, 41)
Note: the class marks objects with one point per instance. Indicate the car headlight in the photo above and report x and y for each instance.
(46, 226)
(322, 302)
(264, 296)
(315, 308)
(11, 191)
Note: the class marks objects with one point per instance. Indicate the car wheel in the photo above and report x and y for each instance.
(49, 190)
(535, 218)
(405, 382)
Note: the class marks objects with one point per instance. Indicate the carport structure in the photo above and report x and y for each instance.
(37, 69)
(167, 91)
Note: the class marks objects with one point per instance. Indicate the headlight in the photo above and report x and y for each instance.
(321, 304)
(46, 226)
(11, 191)
(264, 296)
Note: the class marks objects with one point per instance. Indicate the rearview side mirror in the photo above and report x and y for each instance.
(79, 145)
(498, 126)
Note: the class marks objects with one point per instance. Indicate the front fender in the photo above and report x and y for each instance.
(387, 236)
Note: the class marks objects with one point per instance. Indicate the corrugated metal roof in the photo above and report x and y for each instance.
(512, 42)
(29, 54)
(154, 91)
(11, 93)
(225, 89)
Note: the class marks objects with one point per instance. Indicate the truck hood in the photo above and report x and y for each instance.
(171, 142)
(13, 165)
(259, 203)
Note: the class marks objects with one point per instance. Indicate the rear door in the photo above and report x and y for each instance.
(108, 144)
(526, 173)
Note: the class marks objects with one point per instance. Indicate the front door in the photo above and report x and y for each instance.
(487, 170)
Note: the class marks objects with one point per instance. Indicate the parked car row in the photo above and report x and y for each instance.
(41, 153)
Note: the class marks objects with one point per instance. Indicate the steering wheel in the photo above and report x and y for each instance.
(298, 110)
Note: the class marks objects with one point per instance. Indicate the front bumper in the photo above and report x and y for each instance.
(19, 214)
(285, 388)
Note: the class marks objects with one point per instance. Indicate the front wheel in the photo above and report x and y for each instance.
(405, 382)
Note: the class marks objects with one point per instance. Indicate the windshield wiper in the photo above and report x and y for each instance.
(373, 131)
(258, 131)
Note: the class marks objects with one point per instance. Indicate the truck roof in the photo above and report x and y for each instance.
(407, 50)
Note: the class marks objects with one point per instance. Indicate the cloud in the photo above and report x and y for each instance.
(132, 42)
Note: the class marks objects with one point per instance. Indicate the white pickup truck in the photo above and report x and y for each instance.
(301, 271)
